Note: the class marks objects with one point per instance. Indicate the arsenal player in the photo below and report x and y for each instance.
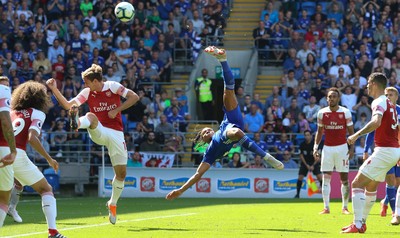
(7, 150)
(29, 102)
(103, 122)
(334, 121)
(386, 153)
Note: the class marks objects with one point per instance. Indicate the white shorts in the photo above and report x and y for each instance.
(380, 162)
(114, 141)
(6, 173)
(25, 171)
(335, 157)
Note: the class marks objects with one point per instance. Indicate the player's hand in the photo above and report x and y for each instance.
(350, 153)
(316, 154)
(365, 156)
(174, 194)
(7, 160)
(51, 83)
(311, 168)
(54, 164)
(112, 114)
(352, 139)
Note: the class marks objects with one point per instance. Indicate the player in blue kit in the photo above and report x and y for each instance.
(393, 175)
(230, 131)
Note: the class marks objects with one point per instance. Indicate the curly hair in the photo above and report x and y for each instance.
(30, 94)
(94, 72)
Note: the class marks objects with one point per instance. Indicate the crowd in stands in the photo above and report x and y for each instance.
(61, 38)
(334, 43)
(330, 44)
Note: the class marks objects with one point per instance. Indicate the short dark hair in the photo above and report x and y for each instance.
(379, 78)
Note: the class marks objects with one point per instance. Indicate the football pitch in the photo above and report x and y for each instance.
(193, 217)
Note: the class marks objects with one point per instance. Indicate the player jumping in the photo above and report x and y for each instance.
(230, 131)
(103, 122)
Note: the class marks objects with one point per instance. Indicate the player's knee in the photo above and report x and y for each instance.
(93, 119)
(238, 133)
(45, 188)
(121, 175)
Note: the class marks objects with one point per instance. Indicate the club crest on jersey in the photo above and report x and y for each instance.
(108, 94)
(340, 116)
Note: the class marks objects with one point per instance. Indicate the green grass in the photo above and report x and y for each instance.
(156, 217)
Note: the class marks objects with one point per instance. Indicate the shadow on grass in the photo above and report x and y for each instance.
(143, 229)
(292, 231)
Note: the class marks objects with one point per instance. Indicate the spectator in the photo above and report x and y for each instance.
(318, 91)
(253, 121)
(174, 144)
(236, 162)
(302, 54)
(303, 123)
(283, 145)
(54, 51)
(288, 63)
(288, 161)
(150, 144)
(261, 42)
(363, 106)
(311, 112)
(311, 63)
(247, 104)
(291, 81)
(177, 121)
(258, 163)
(361, 122)
(58, 139)
(329, 49)
(55, 8)
(334, 71)
(135, 160)
(303, 22)
(386, 63)
(165, 127)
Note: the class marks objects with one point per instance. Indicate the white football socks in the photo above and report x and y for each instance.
(326, 189)
(49, 208)
(370, 199)
(345, 189)
(358, 198)
(3, 213)
(117, 188)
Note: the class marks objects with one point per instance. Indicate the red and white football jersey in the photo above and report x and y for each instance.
(22, 122)
(100, 103)
(386, 135)
(335, 124)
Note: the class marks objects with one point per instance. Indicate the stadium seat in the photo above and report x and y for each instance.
(309, 7)
(324, 7)
(54, 181)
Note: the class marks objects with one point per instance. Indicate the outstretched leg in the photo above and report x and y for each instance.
(229, 97)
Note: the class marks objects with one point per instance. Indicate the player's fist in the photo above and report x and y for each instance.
(352, 139)
(51, 83)
(7, 160)
(174, 194)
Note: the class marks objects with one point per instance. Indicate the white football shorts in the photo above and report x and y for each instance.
(25, 171)
(380, 162)
(335, 157)
(6, 173)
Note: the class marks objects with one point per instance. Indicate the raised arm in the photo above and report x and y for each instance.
(52, 84)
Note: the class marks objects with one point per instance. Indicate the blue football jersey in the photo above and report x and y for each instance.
(220, 143)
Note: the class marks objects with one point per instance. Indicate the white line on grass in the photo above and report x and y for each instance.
(105, 224)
